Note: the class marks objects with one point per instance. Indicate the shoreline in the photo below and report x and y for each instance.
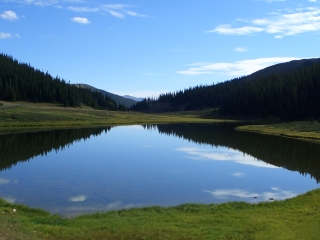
(294, 218)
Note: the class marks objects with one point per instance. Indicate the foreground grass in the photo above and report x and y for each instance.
(24, 116)
(296, 218)
(307, 130)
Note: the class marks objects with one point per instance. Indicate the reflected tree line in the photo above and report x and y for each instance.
(292, 154)
(15, 148)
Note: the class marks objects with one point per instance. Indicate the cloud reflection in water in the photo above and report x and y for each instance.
(79, 198)
(276, 194)
(227, 155)
(4, 181)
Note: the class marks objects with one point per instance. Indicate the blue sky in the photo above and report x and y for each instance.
(143, 48)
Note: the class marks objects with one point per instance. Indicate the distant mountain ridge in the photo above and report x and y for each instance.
(118, 99)
(133, 98)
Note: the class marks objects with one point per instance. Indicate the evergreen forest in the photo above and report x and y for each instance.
(21, 82)
(288, 94)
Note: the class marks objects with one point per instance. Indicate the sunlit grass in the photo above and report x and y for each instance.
(30, 116)
(309, 130)
(296, 218)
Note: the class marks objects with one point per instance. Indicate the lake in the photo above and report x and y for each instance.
(77, 171)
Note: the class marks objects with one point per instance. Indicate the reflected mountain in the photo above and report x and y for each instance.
(292, 154)
(15, 148)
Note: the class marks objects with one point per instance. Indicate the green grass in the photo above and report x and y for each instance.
(306, 130)
(296, 218)
(45, 116)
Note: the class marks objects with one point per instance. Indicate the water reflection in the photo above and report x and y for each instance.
(229, 155)
(78, 171)
(275, 193)
(25, 146)
(292, 154)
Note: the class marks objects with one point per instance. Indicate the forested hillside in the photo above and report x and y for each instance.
(293, 94)
(20, 81)
(118, 99)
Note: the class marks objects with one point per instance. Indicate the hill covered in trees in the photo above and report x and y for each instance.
(118, 99)
(20, 81)
(288, 90)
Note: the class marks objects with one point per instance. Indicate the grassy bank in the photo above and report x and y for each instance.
(21, 116)
(296, 218)
(305, 130)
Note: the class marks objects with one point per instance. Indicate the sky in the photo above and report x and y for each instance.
(143, 48)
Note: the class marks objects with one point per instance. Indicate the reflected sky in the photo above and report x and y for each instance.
(223, 154)
(273, 194)
(131, 166)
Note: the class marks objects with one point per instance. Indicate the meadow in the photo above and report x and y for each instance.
(295, 218)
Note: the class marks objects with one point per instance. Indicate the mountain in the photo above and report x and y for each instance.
(288, 90)
(133, 98)
(283, 68)
(118, 99)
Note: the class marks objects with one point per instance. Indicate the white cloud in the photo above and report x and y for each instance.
(312, 0)
(134, 14)
(4, 181)
(241, 49)
(238, 174)
(4, 35)
(9, 15)
(79, 198)
(115, 10)
(270, 1)
(276, 194)
(240, 68)
(83, 9)
(297, 22)
(80, 20)
(229, 30)
(116, 14)
(225, 155)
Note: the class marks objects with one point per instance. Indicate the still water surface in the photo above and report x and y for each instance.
(71, 172)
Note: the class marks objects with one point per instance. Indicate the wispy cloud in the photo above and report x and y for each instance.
(4, 35)
(227, 155)
(40, 3)
(296, 22)
(83, 9)
(229, 30)
(238, 174)
(239, 68)
(115, 10)
(80, 20)
(9, 15)
(241, 49)
(276, 194)
(270, 1)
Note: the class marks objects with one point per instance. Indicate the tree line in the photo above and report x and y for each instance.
(293, 94)
(21, 82)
